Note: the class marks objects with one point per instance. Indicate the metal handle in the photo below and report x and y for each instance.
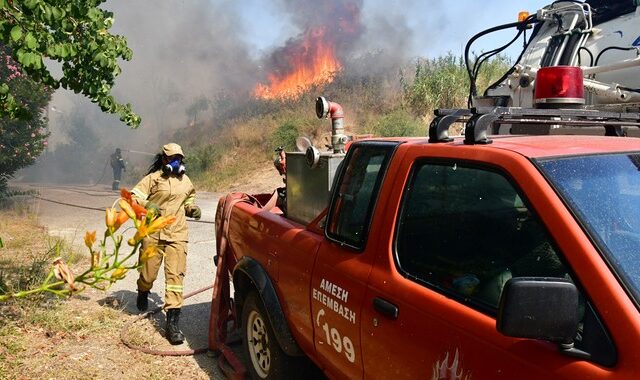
(385, 307)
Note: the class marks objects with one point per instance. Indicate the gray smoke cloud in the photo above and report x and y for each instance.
(188, 52)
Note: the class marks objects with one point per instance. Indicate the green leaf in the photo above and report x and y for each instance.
(20, 54)
(4, 89)
(57, 13)
(16, 33)
(51, 51)
(108, 22)
(68, 26)
(94, 14)
(99, 57)
(31, 4)
(63, 51)
(48, 14)
(37, 61)
(31, 41)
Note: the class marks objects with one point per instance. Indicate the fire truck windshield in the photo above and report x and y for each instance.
(603, 191)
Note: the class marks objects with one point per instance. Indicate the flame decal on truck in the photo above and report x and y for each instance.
(636, 42)
(443, 370)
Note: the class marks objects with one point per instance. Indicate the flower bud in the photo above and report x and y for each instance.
(89, 239)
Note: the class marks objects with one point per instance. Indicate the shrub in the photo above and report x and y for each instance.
(443, 82)
(21, 141)
(285, 135)
(199, 160)
(398, 123)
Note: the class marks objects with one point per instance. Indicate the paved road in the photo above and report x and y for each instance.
(69, 211)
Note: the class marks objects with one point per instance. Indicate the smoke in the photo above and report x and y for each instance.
(189, 53)
(340, 21)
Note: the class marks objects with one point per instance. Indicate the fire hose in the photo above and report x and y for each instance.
(103, 209)
(151, 351)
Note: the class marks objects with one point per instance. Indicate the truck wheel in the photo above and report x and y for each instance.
(267, 360)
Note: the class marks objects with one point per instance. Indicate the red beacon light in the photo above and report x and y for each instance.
(559, 86)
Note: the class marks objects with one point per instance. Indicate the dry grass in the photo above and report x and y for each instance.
(77, 338)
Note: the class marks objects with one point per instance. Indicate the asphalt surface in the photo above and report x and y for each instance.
(69, 211)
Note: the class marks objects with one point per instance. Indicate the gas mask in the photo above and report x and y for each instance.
(174, 167)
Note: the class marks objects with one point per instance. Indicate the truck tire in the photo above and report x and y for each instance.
(266, 359)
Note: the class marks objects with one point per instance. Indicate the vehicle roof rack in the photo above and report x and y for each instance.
(480, 120)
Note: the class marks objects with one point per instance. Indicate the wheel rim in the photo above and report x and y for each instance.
(258, 344)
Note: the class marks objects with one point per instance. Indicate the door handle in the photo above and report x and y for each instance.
(385, 307)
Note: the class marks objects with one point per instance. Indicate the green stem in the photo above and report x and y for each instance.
(49, 276)
(133, 251)
(116, 249)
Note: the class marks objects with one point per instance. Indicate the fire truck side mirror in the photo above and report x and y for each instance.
(539, 308)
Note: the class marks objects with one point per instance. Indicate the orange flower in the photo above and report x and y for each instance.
(133, 210)
(140, 234)
(139, 210)
(118, 273)
(110, 217)
(126, 195)
(62, 272)
(148, 253)
(126, 207)
(160, 223)
(121, 219)
(89, 239)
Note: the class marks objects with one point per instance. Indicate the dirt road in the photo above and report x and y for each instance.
(69, 211)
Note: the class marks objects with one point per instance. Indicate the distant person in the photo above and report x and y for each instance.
(167, 189)
(118, 166)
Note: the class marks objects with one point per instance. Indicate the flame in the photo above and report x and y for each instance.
(309, 61)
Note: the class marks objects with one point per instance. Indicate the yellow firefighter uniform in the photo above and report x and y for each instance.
(174, 195)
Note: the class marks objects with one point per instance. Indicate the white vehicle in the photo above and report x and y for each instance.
(580, 67)
(601, 37)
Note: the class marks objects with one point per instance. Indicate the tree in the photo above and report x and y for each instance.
(21, 141)
(201, 104)
(74, 33)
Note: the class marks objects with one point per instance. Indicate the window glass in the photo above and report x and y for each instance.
(603, 192)
(466, 230)
(356, 193)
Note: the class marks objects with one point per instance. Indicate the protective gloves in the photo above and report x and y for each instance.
(152, 207)
(196, 213)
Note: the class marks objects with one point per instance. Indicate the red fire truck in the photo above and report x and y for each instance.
(482, 256)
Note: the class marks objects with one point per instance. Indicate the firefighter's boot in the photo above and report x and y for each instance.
(174, 335)
(142, 302)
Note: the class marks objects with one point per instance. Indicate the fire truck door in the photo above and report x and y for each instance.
(344, 260)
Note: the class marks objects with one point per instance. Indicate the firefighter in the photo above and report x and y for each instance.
(118, 166)
(167, 189)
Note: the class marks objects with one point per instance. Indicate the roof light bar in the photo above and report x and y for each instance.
(559, 86)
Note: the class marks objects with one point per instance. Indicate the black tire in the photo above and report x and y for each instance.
(266, 360)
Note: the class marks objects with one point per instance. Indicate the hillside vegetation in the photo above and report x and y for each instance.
(244, 133)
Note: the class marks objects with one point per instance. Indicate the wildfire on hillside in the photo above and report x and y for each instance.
(312, 58)
(311, 62)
